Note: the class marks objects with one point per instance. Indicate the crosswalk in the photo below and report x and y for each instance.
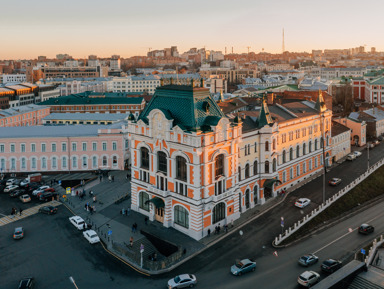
(26, 213)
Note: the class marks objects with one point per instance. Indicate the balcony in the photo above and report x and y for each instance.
(154, 190)
(144, 175)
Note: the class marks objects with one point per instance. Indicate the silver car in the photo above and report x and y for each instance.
(308, 278)
(182, 281)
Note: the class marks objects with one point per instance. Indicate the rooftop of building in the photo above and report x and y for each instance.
(338, 128)
(54, 131)
(92, 98)
(87, 116)
(20, 110)
(191, 108)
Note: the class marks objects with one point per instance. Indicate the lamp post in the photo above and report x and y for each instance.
(73, 282)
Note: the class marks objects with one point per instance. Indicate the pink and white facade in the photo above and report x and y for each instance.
(26, 115)
(61, 148)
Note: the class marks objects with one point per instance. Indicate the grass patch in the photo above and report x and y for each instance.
(370, 188)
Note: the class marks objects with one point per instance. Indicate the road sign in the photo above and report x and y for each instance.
(59, 182)
(68, 190)
(362, 251)
(109, 232)
(141, 248)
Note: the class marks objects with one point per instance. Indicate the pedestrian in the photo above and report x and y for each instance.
(218, 228)
(131, 241)
(209, 232)
(128, 212)
(110, 178)
(90, 209)
(20, 211)
(127, 176)
(90, 193)
(94, 199)
(232, 223)
(122, 211)
(51, 183)
(100, 178)
(146, 220)
(133, 227)
(215, 230)
(226, 228)
(84, 226)
(94, 209)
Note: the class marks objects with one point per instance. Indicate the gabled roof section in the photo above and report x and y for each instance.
(264, 117)
(191, 108)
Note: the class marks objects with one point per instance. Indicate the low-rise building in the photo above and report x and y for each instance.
(26, 115)
(84, 118)
(374, 118)
(13, 78)
(145, 84)
(341, 141)
(358, 128)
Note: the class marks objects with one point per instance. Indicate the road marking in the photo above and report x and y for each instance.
(26, 213)
(350, 230)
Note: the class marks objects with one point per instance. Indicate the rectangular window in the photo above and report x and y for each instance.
(74, 146)
(104, 146)
(64, 147)
(54, 162)
(64, 162)
(114, 146)
(84, 146)
(85, 161)
(22, 148)
(53, 146)
(23, 163)
(43, 147)
(284, 138)
(94, 146)
(2, 148)
(12, 148)
(94, 161)
(33, 163)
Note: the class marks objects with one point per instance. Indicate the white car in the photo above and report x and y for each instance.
(78, 222)
(357, 153)
(351, 157)
(91, 236)
(302, 202)
(182, 281)
(25, 198)
(24, 182)
(10, 182)
(10, 188)
(308, 278)
(40, 190)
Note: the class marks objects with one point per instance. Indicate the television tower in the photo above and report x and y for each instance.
(283, 42)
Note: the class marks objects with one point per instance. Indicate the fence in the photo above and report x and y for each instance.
(329, 202)
(371, 253)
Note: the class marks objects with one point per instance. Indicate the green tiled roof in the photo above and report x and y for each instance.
(89, 98)
(377, 81)
(264, 117)
(191, 108)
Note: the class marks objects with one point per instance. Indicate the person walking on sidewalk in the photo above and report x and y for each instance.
(133, 228)
(131, 241)
(100, 178)
(94, 199)
(113, 178)
(20, 211)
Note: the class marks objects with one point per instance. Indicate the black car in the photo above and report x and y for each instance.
(48, 210)
(366, 229)
(17, 193)
(27, 283)
(331, 265)
(45, 197)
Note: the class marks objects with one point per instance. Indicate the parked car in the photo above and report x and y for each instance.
(351, 157)
(47, 196)
(18, 233)
(366, 229)
(334, 181)
(357, 153)
(16, 193)
(48, 210)
(308, 278)
(331, 265)
(10, 188)
(27, 283)
(370, 145)
(78, 222)
(25, 198)
(308, 260)
(243, 266)
(376, 142)
(91, 236)
(182, 281)
(39, 190)
(302, 202)
(10, 182)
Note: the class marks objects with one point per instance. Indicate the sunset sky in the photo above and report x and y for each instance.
(129, 27)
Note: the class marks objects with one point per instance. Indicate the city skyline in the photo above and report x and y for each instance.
(128, 29)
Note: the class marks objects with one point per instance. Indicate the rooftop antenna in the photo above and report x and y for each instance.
(283, 42)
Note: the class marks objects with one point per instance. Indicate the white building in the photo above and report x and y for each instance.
(13, 78)
(136, 84)
(341, 141)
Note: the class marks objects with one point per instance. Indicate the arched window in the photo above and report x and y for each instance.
(162, 162)
(266, 167)
(316, 145)
(43, 163)
(304, 149)
(274, 144)
(144, 152)
(239, 168)
(218, 213)
(255, 147)
(94, 161)
(181, 168)
(23, 163)
(298, 151)
(291, 173)
(255, 193)
(114, 161)
(328, 140)
(255, 168)
(284, 157)
(181, 216)
(144, 201)
(219, 166)
(321, 142)
(247, 197)
(310, 146)
(105, 161)
(291, 154)
(247, 171)
(85, 161)
(284, 177)
(274, 165)
(267, 146)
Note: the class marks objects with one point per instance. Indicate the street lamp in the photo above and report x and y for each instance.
(73, 282)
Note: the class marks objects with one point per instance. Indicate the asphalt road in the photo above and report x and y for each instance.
(53, 249)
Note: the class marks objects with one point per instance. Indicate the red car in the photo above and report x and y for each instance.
(49, 190)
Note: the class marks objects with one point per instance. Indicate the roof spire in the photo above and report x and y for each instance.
(320, 104)
(264, 117)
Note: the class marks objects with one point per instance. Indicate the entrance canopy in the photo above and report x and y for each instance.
(158, 202)
(270, 182)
